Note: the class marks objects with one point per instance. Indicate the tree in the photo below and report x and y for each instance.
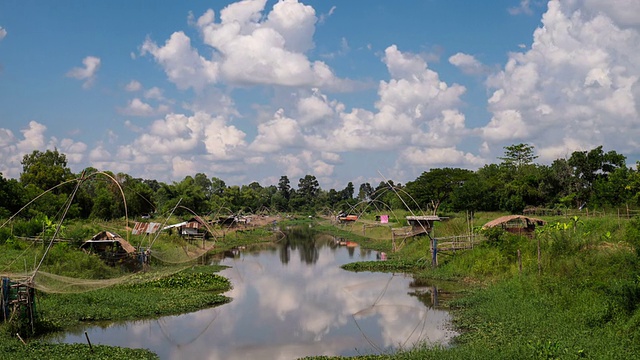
(192, 195)
(11, 194)
(138, 194)
(347, 192)
(202, 181)
(591, 166)
(471, 196)
(45, 170)
(284, 187)
(305, 196)
(365, 192)
(434, 187)
(518, 155)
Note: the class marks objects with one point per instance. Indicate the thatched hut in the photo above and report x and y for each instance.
(110, 246)
(516, 224)
(422, 224)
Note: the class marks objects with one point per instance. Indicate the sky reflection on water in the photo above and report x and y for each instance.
(289, 301)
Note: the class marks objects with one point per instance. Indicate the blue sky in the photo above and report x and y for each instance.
(345, 91)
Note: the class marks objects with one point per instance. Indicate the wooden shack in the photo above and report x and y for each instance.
(111, 247)
(422, 224)
(516, 224)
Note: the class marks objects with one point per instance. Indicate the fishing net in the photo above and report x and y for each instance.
(52, 283)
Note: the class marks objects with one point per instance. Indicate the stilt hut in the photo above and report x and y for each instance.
(111, 247)
(516, 224)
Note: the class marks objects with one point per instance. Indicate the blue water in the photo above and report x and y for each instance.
(291, 301)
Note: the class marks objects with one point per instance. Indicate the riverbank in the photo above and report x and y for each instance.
(94, 292)
(580, 300)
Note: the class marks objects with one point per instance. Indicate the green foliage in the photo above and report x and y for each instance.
(385, 266)
(68, 260)
(12, 348)
(431, 189)
(27, 228)
(178, 293)
(633, 234)
(5, 234)
(201, 281)
(518, 155)
(45, 170)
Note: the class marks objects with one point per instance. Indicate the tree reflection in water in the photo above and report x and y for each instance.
(287, 305)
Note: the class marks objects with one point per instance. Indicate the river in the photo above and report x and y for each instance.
(292, 300)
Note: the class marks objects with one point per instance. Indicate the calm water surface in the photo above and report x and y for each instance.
(289, 301)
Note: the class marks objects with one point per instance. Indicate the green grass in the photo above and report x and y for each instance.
(584, 303)
(186, 291)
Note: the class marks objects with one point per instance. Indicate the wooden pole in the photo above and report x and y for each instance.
(88, 341)
(393, 241)
(539, 258)
(434, 252)
(519, 261)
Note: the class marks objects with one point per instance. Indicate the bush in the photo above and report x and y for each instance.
(27, 228)
(5, 234)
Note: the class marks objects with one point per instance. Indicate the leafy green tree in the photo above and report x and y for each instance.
(518, 155)
(434, 187)
(561, 184)
(306, 194)
(45, 170)
(254, 197)
(217, 198)
(471, 196)
(348, 191)
(11, 195)
(280, 200)
(138, 194)
(191, 197)
(284, 187)
(614, 190)
(589, 166)
(202, 181)
(365, 192)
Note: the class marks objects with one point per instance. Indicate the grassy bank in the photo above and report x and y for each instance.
(582, 300)
(95, 292)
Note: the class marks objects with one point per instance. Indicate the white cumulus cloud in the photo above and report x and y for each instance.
(467, 64)
(578, 85)
(86, 73)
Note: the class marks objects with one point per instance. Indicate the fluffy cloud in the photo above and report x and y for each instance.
(623, 12)
(523, 8)
(182, 63)
(277, 133)
(577, 85)
(86, 73)
(13, 149)
(435, 157)
(467, 64)
(137, 107)
(224, 141)
(314, 109)
(3, 33)
(74, 151)
(249, 48)
(133, 85)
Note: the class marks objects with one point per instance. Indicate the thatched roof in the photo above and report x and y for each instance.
(424, 218)
(108, 236)
(505, 219)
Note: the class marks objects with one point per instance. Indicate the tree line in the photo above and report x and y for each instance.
(593, 178)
